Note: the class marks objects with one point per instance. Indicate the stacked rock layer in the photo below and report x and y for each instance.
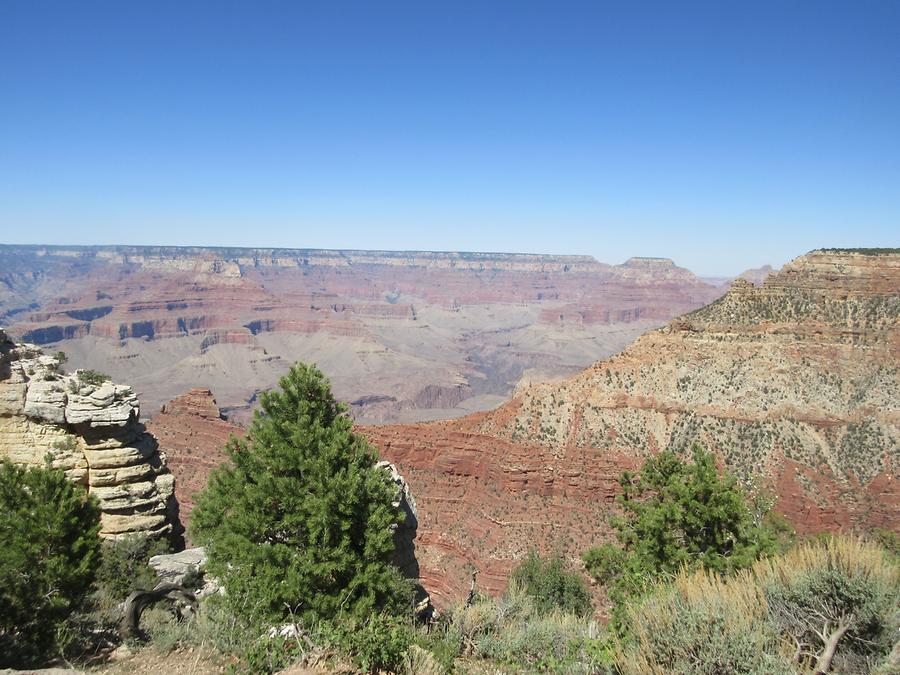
(90, 428)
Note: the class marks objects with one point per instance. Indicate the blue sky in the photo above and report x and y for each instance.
(723, 135)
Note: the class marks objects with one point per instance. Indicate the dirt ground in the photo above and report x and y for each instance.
(184, 661)
(149, 661)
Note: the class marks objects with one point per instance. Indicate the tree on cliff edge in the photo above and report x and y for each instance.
(301, 521)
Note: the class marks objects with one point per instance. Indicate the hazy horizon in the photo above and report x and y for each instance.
(369, 250)
(722, 137)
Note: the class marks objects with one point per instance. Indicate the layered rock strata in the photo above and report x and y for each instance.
(795, 385)
(404, 336)
(194, 435)
(90, 428)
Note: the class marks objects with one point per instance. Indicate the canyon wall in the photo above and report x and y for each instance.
(794, 384)
(194, 435)
(404, 336)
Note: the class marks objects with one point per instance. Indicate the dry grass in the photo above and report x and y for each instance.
(774, 617)
(701, 619)
(855, 558)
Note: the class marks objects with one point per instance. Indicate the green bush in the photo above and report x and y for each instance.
(377, 643)
(91, 377)
(836, 601)
(701, 624)
(123, 566)
(512, 631)
(825, 606)
(49, 551)
(300, 522)
(678, 514)
(269, 655)
(551, 585)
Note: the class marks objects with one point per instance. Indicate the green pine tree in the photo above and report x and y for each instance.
(49, 551)
(301, 520)
(678, 514)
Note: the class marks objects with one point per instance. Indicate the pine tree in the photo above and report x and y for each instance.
(301, 520)
(677, 514)
(49, 551)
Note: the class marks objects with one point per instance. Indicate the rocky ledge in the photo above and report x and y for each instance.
(90, 428)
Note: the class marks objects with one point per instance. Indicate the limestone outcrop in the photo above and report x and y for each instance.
(90, 428)
(405, 532)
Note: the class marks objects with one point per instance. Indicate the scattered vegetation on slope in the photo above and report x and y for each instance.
(825, 606)
(678, 514)
(299, 526)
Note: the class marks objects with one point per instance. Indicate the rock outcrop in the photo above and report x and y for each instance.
(405, 532)
(89, 427)
(194, 435)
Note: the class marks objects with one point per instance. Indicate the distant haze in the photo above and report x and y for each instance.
(724, 136)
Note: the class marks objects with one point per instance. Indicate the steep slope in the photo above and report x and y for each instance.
(92, 431)
(404, 336)
(795, 384)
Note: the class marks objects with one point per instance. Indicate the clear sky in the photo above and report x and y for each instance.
(724, 135)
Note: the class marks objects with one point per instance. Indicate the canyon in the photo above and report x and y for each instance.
(403, 336)
(793, 380)
(794, 383)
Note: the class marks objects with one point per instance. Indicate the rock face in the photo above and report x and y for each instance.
(194, 435)
(405, 533)
(794, 383)
(91, 429)
(174, 568)
(403, 336)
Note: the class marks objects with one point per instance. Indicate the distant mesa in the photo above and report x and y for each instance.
(648, 262)
(757, 275)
